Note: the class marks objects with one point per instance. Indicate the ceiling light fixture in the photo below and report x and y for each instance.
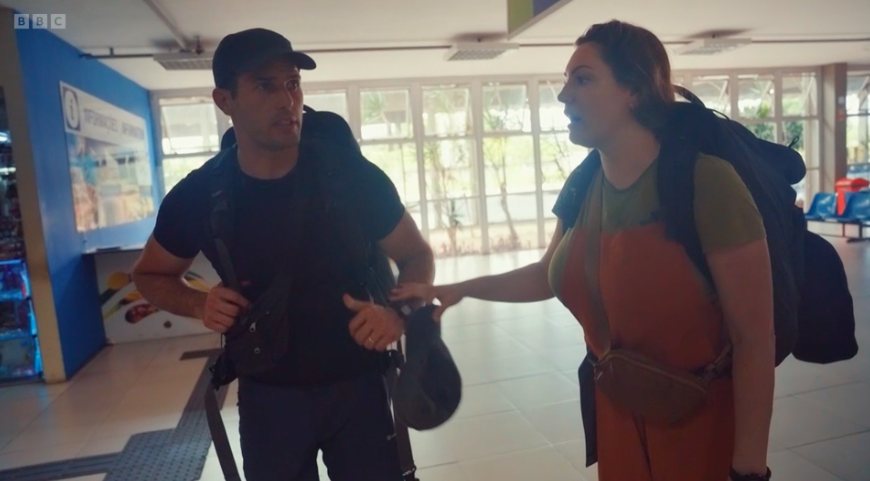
(184, 60)
(480, 51)
(712, 46)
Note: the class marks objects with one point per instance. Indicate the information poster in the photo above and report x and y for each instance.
(127, 316)
(110, 162)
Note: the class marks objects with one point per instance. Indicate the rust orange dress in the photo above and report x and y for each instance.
(658, 304)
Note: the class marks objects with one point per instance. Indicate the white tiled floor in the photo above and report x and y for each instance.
(520, 415)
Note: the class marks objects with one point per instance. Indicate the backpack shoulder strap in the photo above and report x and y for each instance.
(221, 215)
(676, 189)
(337, 188)
(576, 188)
(329, 138)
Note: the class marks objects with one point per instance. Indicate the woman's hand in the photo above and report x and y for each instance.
(448, 295)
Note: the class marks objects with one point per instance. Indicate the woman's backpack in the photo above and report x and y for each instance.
(813, 326)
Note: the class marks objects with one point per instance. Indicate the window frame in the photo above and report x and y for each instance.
(415, 87)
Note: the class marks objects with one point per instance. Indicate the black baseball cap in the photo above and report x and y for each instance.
(247, 50)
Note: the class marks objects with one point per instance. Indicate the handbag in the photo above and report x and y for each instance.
(632, 381)
(261, 336)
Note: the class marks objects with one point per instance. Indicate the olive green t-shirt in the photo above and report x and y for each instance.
(725, 213)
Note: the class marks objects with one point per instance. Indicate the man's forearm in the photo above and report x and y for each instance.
(418, 269)
(753, 379)
(171, 294)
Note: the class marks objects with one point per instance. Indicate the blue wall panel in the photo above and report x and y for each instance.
(46, 61)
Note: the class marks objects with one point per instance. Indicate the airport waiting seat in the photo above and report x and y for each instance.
(857, 209)
(856, 212)
(823, 207)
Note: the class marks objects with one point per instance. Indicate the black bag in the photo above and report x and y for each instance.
(769, 170)
(804, 306)
(826, 317)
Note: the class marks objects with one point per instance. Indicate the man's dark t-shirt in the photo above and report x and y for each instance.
(321, 349)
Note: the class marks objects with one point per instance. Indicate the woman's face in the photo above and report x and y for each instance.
(598, 107)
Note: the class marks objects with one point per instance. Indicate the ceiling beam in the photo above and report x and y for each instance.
(176, 32)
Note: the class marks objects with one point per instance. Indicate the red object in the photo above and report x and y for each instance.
(848, 185)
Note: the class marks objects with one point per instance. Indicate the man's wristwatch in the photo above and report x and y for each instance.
(735, 476)
(403, 309)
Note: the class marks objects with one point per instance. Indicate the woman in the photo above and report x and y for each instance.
(617, 94)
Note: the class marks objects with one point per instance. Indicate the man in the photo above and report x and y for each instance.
(328, 392)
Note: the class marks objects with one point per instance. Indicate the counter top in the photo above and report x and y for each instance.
(109, 250)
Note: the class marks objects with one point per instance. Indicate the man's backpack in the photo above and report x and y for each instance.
(327, 137)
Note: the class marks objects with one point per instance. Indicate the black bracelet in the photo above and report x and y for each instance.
(735, 476)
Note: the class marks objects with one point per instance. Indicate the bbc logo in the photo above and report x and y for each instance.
(54, 21)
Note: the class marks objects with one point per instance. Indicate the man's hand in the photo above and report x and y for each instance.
(373, 327)
(222, 307)
(448, 295)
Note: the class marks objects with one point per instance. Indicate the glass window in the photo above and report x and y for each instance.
(386, 114)
(438, 176)
(858, 139)
(512, 222)
(714, 91)
(506, 108)
(513, 207)
(177, 168)
(447, 111)
(803, 135)
(328, 101)
(857, 91)
(454, 226)
(858, 121)
(399, 162)
(451, 186)
(764, 131)
(799, 95)
(510, 164)
(450, 169)
(552, 111)
(755, 96)
(189, 125)
(559, 157)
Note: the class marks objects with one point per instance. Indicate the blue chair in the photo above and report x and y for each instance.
(857, 208)
(856, 212)
(824, 206)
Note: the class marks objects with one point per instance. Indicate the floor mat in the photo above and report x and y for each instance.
(177, 454)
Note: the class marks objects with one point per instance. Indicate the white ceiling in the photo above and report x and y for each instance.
(131, 27)
(680, 19)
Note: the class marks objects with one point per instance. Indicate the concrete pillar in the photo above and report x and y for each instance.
(833, 125)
